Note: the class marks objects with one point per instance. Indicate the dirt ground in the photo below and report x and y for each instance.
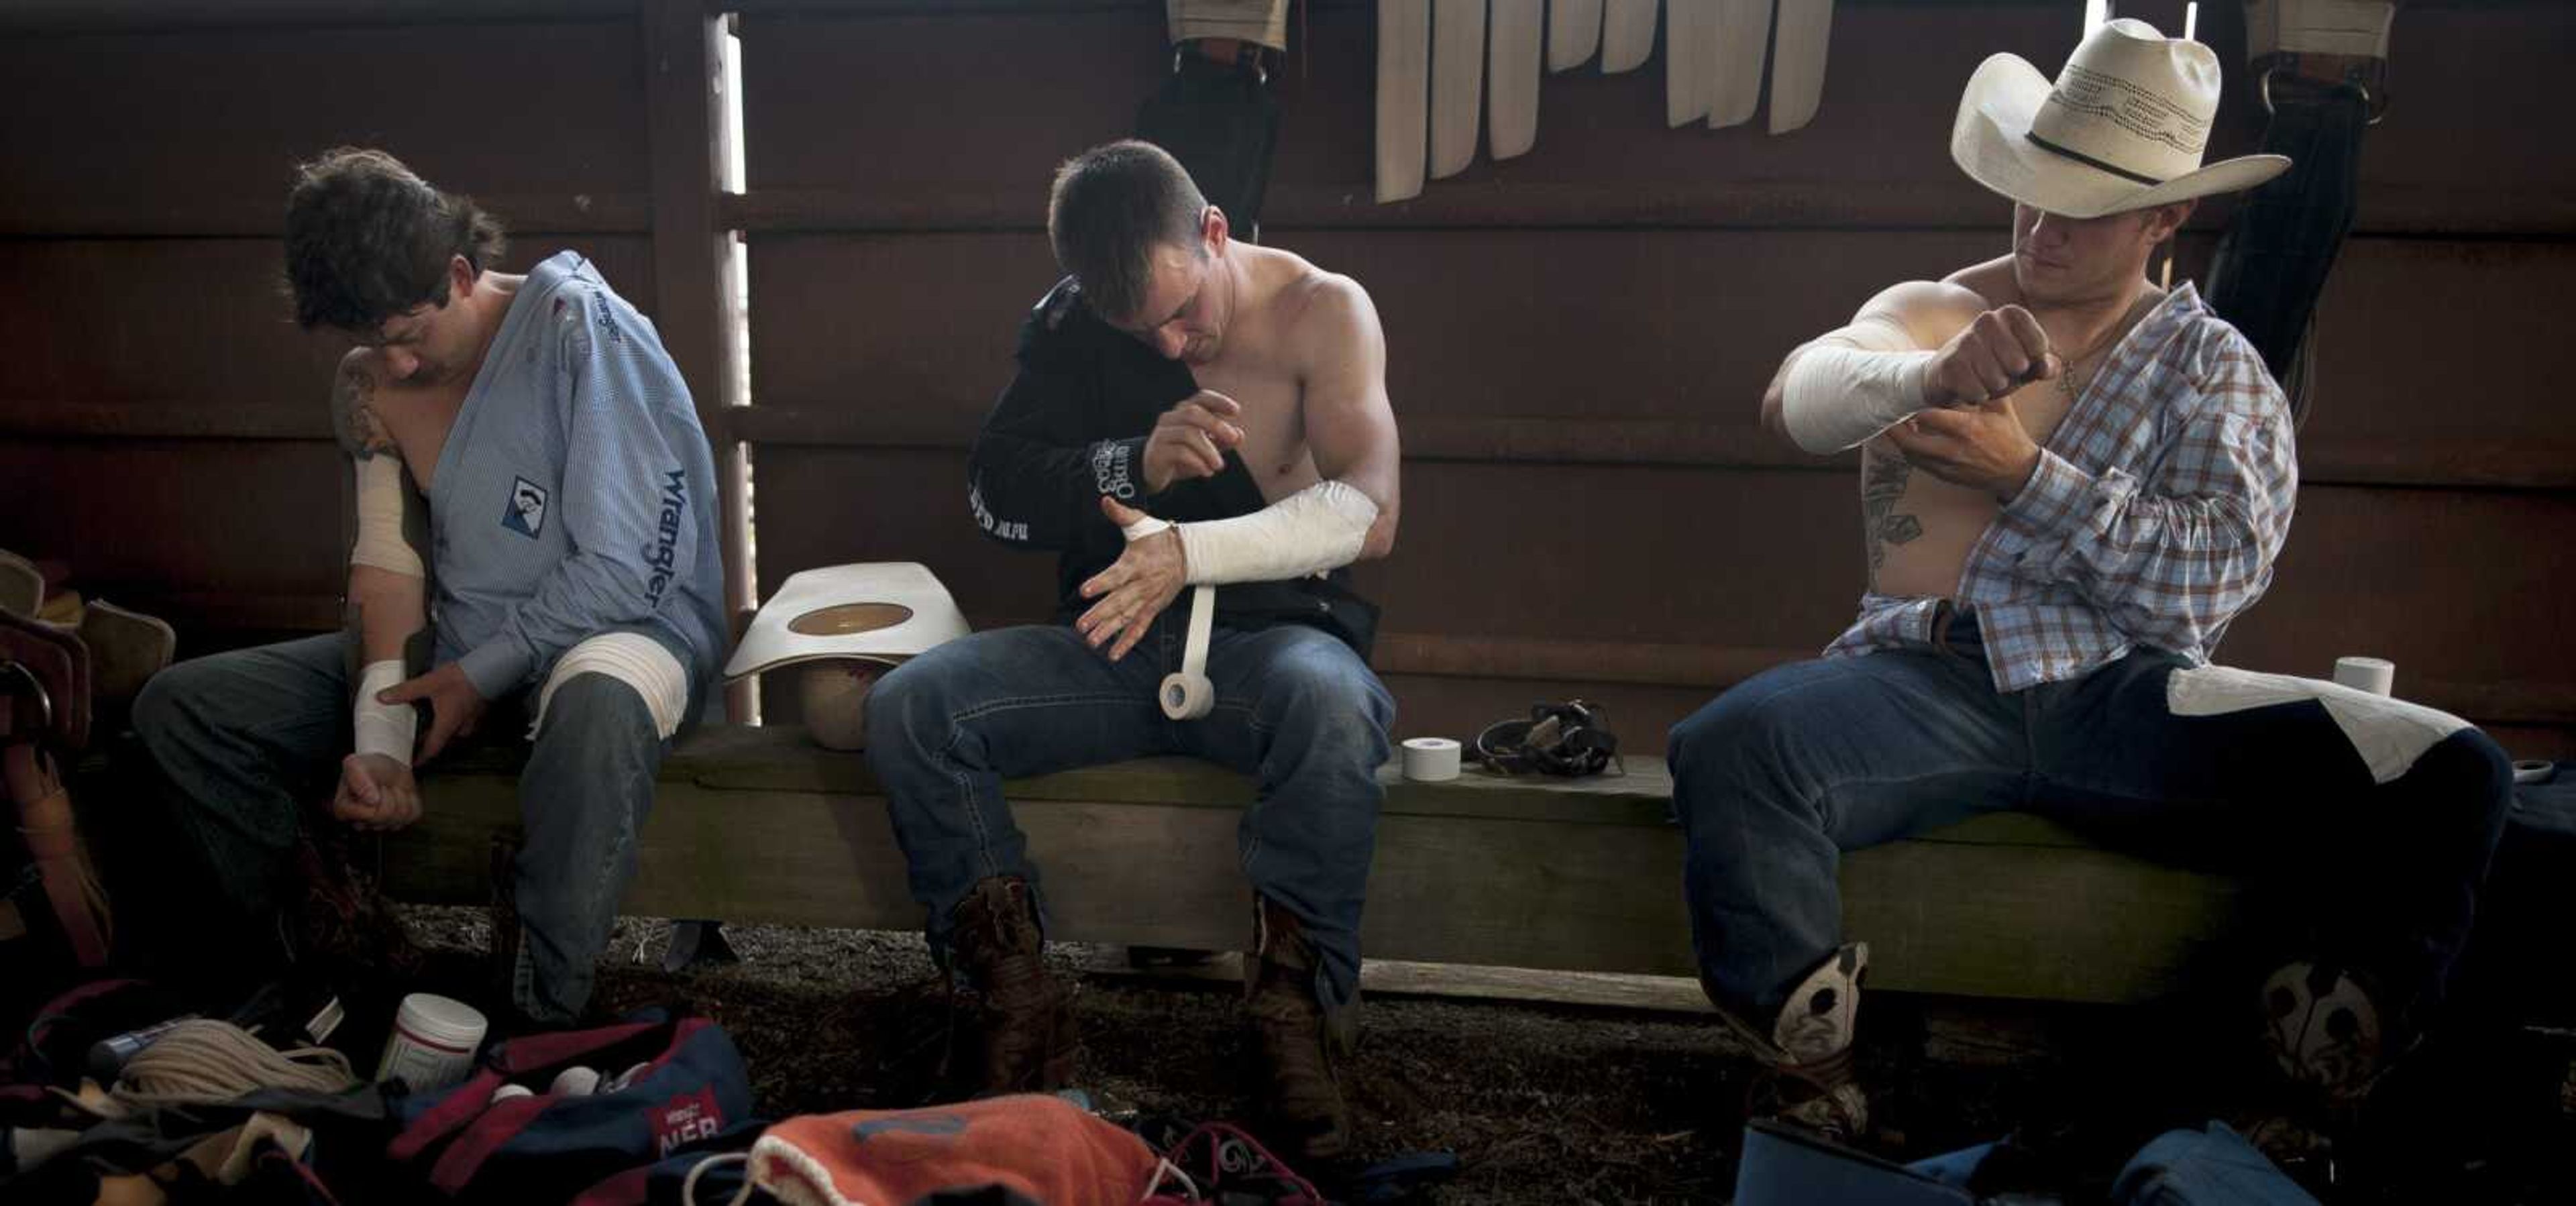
(1540, 1103)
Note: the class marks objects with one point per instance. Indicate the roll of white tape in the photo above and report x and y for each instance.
(1187, 694)
(1430, 759)
(2533, 770)
(2375, 675)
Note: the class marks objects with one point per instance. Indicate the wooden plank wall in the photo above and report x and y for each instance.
(1578, 339)
(1577, 336)
(162, 421)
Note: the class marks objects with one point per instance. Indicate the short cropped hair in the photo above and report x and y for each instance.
(1111, 206)
(367, 240)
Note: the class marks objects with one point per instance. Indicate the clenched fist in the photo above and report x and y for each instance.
(2003, 350)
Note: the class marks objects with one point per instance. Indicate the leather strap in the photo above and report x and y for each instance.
(45, 819)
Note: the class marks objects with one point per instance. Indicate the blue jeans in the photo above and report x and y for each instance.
(248, 744)
(1779, 776)
(1295, 708)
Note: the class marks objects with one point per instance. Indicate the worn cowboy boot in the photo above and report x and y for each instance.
(1808, 1078)
(1297, 1088)
(1026, 1017)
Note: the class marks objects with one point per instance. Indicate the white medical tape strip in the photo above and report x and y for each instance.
(387, 729)
(2388, 734)
(380, 540)
(1188, 695)
(632, 658)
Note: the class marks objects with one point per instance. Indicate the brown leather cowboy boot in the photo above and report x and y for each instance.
(1029, 1040)
(1808, 1052)
(1298, 1090)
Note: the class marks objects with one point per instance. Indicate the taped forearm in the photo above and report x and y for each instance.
(1852, 383)
(383, 728)
(382, 541)
(1838, 397)
(1320, 528)
(388, 599)
(390, 641)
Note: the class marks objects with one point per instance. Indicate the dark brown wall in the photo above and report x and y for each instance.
(1577, 337)
(1577, 340)
(162, 422)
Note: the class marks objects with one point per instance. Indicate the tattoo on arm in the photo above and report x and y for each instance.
(353, 414)
(1882, 482)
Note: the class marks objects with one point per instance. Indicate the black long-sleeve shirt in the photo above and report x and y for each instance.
(1071, 427)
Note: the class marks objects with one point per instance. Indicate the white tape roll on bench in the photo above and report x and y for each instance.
(1430, 759)
(1188, 695)
(2375, 675)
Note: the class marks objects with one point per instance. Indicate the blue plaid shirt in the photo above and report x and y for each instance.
(2153, 518)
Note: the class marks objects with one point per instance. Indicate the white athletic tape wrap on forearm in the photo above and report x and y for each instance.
(1188, 695)
(380, 519)
(382, 728)
(1839, 397)
(1319, 528)
(632, 658)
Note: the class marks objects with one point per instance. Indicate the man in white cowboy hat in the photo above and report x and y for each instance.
(2072, 482)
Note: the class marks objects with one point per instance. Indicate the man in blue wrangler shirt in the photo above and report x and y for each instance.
(536, 527)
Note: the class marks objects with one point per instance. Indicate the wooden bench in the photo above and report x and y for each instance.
(759, 825)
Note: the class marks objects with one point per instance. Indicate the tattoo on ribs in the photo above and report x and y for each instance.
(1882, 483)
(353, 414)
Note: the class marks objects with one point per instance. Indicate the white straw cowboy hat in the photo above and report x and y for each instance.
(2123, 127)
(844, 625)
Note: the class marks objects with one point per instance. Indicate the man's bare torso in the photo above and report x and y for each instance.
(1917, 529)
(1262, 365)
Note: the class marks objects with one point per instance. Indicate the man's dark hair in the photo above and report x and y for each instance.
(1111, 206)
(367, 240)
